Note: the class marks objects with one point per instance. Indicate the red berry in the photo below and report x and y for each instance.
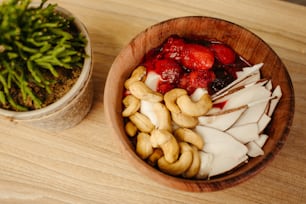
(223, 53)
(201, 78)
(173, 47)
(164, 86)
(196, 79)
(197, 57)
(185, 83)
(169, 70)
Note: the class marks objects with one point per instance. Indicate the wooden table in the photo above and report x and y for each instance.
(84, 164)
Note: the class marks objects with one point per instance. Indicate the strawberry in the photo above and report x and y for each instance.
(169, 70)
(173, 47)
(164, 86)
(223, 53)
(197, 57)
(150, 59)
(196, 79)
(201, 78)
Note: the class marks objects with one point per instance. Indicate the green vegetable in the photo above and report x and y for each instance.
(34, 41)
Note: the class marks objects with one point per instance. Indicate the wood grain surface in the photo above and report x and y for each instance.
(84, 164)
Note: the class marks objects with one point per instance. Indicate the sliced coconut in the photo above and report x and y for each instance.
(247, 72)
(152, 80)
(218, 142)
(146, 108)
(277, 93)
(263, 122)
(198, 93)
(269, 85)
(205, 167)
(244, 96)
(244, 133)
(261, 140)
(223, 120)
(252, 78)
(254, 150)
(223, 163)
(252, 114)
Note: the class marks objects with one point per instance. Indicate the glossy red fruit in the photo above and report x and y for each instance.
(173, 47)
(224, 54)
(169, 70)
(184, 83)
(201, 78)
(149, 59)
(197, 57)
(196, 79)
(164, 86)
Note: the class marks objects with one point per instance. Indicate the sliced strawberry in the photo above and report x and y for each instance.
(224, 54)
(169, 70)
(150, 58)
(164, 86)
(185, 83)
(201, 78)
(196, 79)
(197, 57)
(173, 47)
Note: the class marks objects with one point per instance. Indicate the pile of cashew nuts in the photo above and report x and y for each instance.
(170, 145)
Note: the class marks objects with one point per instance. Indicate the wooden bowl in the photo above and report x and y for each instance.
(246, 44)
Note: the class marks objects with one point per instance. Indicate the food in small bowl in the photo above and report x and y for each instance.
(198, 104)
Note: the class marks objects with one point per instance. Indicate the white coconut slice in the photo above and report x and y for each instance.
(263, 122)
(198, 93)
(223, 163)
(152, 80)
(269, 85)
(246, 73)
(252, 78)
(277, 93)
(252, 114)
(244, 133)
(261, 141)
(223, 120)
(244, 96)
(254, 150)
(218, 142)
(205, 167)
(146, 108)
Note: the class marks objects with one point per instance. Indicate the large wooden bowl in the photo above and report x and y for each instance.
(245, 43)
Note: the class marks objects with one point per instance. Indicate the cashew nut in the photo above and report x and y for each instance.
(184, 120)
(194, 168)
(137, 75)
(192, 108)
(167, 142)
(155, 156)
(130, 129)
(140, 90)
(163, 116)
(132, 105)
(170, 99)
(181, 165)
(142, 122)
(189, 136)
(143, 147)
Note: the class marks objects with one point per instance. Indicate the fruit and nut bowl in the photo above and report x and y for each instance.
(198, 103)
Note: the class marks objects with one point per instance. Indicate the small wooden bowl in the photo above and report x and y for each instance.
(246, 44)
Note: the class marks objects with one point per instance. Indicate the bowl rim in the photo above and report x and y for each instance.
(201, 185)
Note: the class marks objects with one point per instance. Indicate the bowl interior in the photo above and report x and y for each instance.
(246, 44)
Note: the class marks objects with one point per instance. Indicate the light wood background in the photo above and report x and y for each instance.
(84, 164)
